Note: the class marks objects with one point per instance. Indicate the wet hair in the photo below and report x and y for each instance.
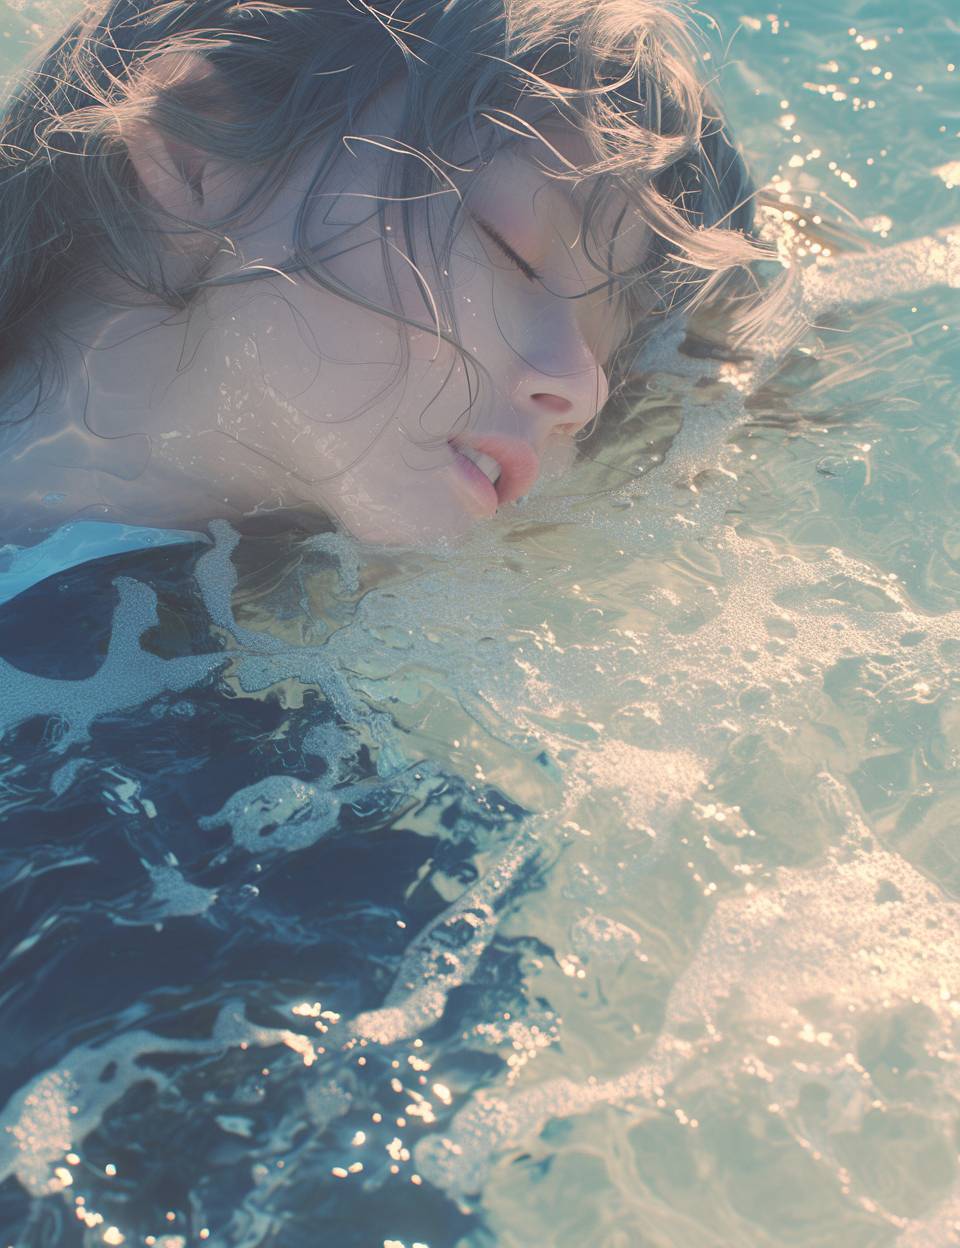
(282, 76)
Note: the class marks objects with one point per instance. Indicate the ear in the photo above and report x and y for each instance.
(183, 180)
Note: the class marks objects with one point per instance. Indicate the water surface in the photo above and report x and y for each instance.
(596, 883)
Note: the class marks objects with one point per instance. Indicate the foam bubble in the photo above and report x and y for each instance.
(906, 267)
(599, 935)
(278, 812)
(174, 896)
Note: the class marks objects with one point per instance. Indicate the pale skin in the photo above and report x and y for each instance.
(267, 394)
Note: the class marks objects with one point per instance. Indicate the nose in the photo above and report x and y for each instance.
(562, 401)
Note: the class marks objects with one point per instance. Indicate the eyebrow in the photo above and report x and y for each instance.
(524, 266)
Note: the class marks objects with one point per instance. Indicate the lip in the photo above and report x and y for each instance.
(519, 468)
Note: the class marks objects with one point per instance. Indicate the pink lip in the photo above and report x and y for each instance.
(519, 468)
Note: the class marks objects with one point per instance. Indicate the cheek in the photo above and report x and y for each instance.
(316, 383)
(509, 322)
(286, 333)
(289, 373)
(493, 311)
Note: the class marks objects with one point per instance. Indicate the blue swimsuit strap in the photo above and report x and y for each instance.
(78, 541)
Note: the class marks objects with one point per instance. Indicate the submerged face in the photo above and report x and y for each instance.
(313, 402)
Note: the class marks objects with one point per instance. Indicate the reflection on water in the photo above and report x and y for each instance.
(595, 882)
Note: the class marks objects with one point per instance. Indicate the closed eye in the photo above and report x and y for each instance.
(496, 237)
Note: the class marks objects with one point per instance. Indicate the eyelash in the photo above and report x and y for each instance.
(527, 270)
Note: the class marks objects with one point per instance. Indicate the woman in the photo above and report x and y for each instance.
(384, 267)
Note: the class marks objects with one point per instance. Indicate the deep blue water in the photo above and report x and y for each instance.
(76, 869)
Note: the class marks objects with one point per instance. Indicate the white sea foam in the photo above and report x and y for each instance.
(278, 812)
(863, 930)
(174, 897)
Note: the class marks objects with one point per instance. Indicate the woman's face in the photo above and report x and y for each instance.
(309, 388)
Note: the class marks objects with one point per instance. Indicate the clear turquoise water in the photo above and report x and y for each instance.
(621, 849)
